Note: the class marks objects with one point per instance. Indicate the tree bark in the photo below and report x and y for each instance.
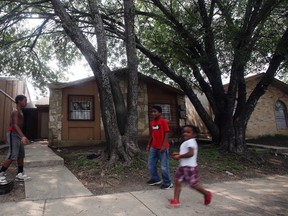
(116, 150)
(131, 137)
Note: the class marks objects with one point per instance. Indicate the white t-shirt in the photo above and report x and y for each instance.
(184, 148)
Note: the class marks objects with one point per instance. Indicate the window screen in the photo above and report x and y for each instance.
(81, 107)
(166, 111)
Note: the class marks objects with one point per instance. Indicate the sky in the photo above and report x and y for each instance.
(77, 71)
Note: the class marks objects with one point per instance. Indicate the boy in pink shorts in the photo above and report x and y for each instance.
(188, 171)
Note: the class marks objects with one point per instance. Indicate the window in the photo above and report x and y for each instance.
(166, 111)
(81, 107)
(281, 115)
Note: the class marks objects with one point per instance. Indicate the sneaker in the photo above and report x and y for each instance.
(174, 203)
(165, 187)
(22, 177)
(208, 198)
(3, 181)
(151, 182)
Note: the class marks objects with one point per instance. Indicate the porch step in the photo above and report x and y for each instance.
(39, 155)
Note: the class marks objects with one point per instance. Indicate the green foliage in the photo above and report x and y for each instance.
(221, 161)
(83, 162)
(32, 44)
(276, 136)
(163, 37)
(139, 162)
(270, 138)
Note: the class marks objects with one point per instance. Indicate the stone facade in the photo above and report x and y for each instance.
(143, 121)
(55, 117)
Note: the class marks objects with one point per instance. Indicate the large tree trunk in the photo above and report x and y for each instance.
(116, 146)
(131, 137)
(232, 137)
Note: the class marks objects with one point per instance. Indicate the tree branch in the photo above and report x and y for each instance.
(194, 45)
(99, 29)
(279, 56)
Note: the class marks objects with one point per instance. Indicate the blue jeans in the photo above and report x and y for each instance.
(154, 156)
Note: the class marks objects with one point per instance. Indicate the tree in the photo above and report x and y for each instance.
(196, 43)
(18, 54)
(79, 22)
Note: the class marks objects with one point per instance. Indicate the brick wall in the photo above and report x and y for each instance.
(262, 121)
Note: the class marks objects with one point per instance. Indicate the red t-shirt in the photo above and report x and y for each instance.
(158, 128)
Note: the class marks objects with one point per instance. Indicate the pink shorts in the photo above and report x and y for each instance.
(187, 174)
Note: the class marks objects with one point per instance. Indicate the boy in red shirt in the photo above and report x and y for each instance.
(158, 148)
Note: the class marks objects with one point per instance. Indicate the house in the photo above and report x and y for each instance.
(9, 89)
(75, 115)
(269, 117)
(270, 114)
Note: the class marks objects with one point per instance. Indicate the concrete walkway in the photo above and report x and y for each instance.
(50, 178)
(54, 190)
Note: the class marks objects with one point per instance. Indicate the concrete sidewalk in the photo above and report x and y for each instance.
(55, 191)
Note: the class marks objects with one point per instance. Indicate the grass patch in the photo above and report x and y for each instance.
(82, 161)
(212, 158)
(279, 137)
(208, 157)
(273, 140)
(80, 165)
(139, 162)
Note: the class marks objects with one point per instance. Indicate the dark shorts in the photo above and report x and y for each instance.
(16, 148)
(187, 174)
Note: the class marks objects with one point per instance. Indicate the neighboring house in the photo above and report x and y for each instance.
(269, 116)
(9, 89)
(75, 115)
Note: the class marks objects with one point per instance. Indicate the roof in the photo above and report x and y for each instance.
(60, 85)
(9, 78)
(44, 101)
(276, 83)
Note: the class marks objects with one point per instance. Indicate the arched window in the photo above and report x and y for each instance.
(281, 115)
